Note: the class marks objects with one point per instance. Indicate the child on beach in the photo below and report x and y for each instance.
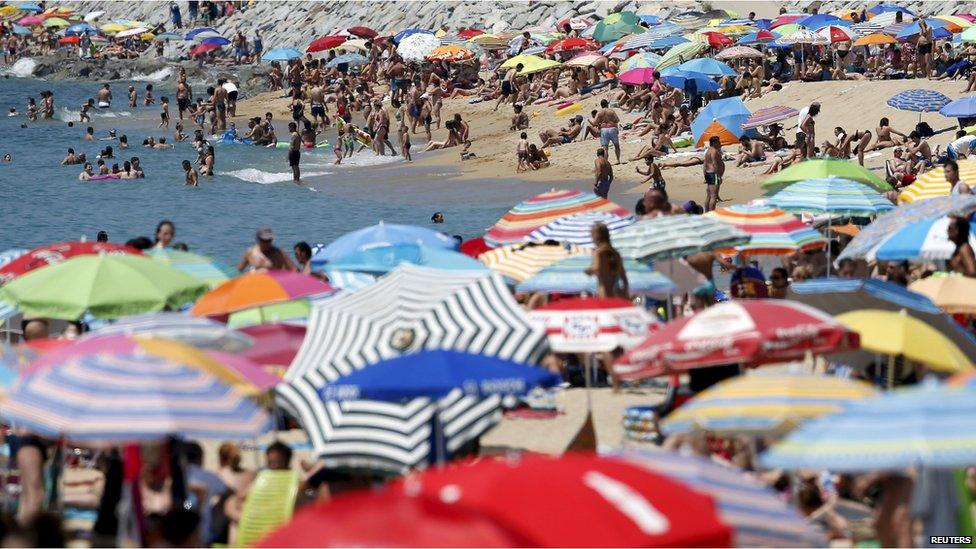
(192, 179)
(31, 109)
(148, 99)
(133, 97)
(522, 152)
(164, 115)
(405, 142)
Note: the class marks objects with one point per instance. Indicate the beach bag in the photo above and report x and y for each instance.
(924, 129)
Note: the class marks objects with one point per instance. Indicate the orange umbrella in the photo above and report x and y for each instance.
(719, 129)
(450, 52)
(256, 289)
(876, 38)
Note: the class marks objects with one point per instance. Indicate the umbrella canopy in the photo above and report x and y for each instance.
(575, 23)
(571, 44)
(837, 34)
(963, 107)
(382, 234)
(638, 76)
(107, 286)
(398, 37)
(925, 240)
(383, 259)
(203, 48)
(617, 25)
(690, 81)
(898, 334)
(584, 59)
(664, 42)
(520, 261)
(436, 373)
(928, 426)
(707, 65)
(801, 36)
(932, 183)
(56, 22)
(584, 491)
(7, 256)
(193, 33)
(940, 29)
(829, 195)
(822, 169)
(323, 43)
(722, 118)
(764, 405)
(774, 231)
(281, 54)
(877, 38)
(569, 276)
(274, 344)
(593, 325)
(196, 331)
(675, 236)
(418, 46)
(199, 267)
(753, 331)
(639, 61)
(411, 309)
(953, 294)
(136, 31)
(21, 30)
(31, 21)
(759, 516)
(714, 39)
(114, 397)
(918, 100)
(450, 52)
(655, 38)
(819, 20)
(577, 228)
(681, 53)
(217, 41)
(968, 35)
(886, 8)
(540, 210)
(258, 288)
(80, 28)
(29, 6)
(59, 252)
(758, 37)
(94, 15)
(739, 52)
(363, 32)
(530, 63)
(768, 115)
(350, 59)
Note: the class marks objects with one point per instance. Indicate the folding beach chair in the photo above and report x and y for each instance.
(269, 504)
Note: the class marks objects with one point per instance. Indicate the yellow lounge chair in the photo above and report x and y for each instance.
(269, 504)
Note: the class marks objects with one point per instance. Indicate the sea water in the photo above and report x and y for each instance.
(42, 201)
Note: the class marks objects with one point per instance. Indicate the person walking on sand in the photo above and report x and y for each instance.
(714, 169)
(509, 89)
(609, 124)
(808, 128)
(294, 152)
(602, 174)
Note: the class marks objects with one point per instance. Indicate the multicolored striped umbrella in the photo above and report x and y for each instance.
(197, 266)
(576, 228)
(681, 53)
(520, 261)
(646, 39)
(192, 330)
(933, 183)
(918, 100)
(759, 516)
(822, 169)
(675, 236)
(774, 231)
(109, 398)
(258, 288)
(802, 36)
(739, 52)
(568, 276)
(593, 325)
(925, 240)
(7, 256)
(584, 59)
(769, 115)
(837, 33)
(646, 60)
(929, 426)
(58, 252)
(539, 210)
(764, 405)
(830, 195)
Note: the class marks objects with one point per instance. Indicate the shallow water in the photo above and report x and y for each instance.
(42, 201)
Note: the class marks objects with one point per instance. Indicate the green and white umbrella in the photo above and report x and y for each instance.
(676, 236)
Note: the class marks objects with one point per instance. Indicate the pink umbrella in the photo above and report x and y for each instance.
(638, 76)
(274, 344)
(247, 368)
(31, 21)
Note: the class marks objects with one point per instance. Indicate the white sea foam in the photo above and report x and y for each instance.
(23, 68)
(67, 115)
(254, 175)
(358, 160)
(156, 76)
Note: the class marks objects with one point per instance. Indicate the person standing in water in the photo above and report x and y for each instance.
(105, 97)
(294, 152)
(192, 180)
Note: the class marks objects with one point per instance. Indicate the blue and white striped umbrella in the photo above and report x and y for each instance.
(349, 281)
(919, 100)
(920, 241)
(568, 276)
(575, 228)
(760, 517)
(831, 195)
(351, 59)
(646, 39)
(193, 330)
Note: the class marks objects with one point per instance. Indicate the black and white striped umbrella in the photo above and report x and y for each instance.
(410, 309)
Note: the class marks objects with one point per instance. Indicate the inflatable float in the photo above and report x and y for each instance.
(572, 108)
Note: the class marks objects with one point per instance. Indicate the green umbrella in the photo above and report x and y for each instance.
(108, 285)
(56, 22)
(784, 30)
(298, 309)
(822, 169)
(200, 267)
(681, 53)
(617, 25)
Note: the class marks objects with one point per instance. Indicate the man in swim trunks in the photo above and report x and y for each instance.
(751, 151)
(220, 104)
(508, 86)
(183, 94)
(316, 97)
(714, 169)
(264, 254)
(294, 152)
(609, 124)
(105, 97)
(602, 174)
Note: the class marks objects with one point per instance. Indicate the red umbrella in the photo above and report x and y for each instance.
(469, 33)
(274, 344)
(753, 332)
(56, 253)
(203, 48)
(572, 44)
(717, 39)
(786, 19)
(325, 43)
(388, 518)
(592, 325)
(363, 32)
(474, 247)
(600, 502)
(73, 39)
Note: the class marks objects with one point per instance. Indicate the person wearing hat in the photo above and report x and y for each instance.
(264, 254)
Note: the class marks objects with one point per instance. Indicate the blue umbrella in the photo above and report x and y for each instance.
(939, 30)
(707, 65)
(667, 42)
(816, 21)
(568, 276)
(215, 41)
(919, 100)
(20, 29)
(730, 113)
(884, 8)
(683, 79)
(920, 241)
(383, 234)
(351, 59)
(193, 33)
(964, 107)
(763, 24)
(29, 6)
(383, 259)
(650, 19)
(753, 38)
(277, 54)
(79, 28)
(407, 32)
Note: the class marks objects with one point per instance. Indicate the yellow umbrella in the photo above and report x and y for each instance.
(112, 28)
(7, 10)
(488, 40)
(932, 183)
(530, 63)
(895, 333)
(450, 52)
(147, 36)
(953, 294)
(960, 22)
(876, 38)
(520, 261)
(133, 24)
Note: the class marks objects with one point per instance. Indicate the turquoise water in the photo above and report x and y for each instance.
(42, 201)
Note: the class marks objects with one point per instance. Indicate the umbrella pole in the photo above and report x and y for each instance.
(891, 372)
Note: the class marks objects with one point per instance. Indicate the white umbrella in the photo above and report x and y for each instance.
(804, 36)
(93, 16)
(417, 47)
(132, 32)
(207, 34)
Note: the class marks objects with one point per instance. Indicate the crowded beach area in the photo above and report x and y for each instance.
(487, 274)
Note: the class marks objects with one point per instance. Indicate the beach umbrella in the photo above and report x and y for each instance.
(192, 34)
(923, 426)
(281, 54)
(651, 37)
(722, 118)
(933, 183)
(416, 47)
(888, 8)
(576, 228)
(706, 65)
(664, 42)
(786, 19)
(953, 294)
(584, 59)
(874, 39)
(218, 41)
(382, 259)
(115, 397)
(410, 309)
(575, 23)
(767, 405)
(200, 267)
(774, 231)
(759, 516)
(569, 276)
(196, 331)
(201, 49)
(325, 43)
(918, 100)
(69, 40)
(758, 37)
(540, 210)
(398, 37)
(822, 169)
(21, 30)
(530, 63)
(713, 39)
(684, 80)
(488, 40)
(637, 76)
(956, 22)
(802, 36)
(681, 53)
(258, 288)
(363, 32)
(79, 28)
(750, 331)
(29, 6)
(768, 115)
(894, 333)
(583, 490)
(616, 25)
(739, 52)
(107, 286)
(294, 311)
(675, 236)
(868, 28)
(829, 195)
(31, 21)
(93, 16)
(275, 344)
(450, 53)
(639, 61)
(939, 30)
(347, 280)
(465, 34)
(875, 233)
(136, 31)
(357, 44)
(964, 107)
(9, 255)
(520, 261)
(593, 325)
(350, 59)
(924, 240)
(381, 234)
(571, 44)
(819, 20)
(837, 33)
(968, 35)
(168, 36)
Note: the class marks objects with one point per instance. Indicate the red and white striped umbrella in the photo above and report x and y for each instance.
(837, 33)
(592, 325)
(750, 332)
